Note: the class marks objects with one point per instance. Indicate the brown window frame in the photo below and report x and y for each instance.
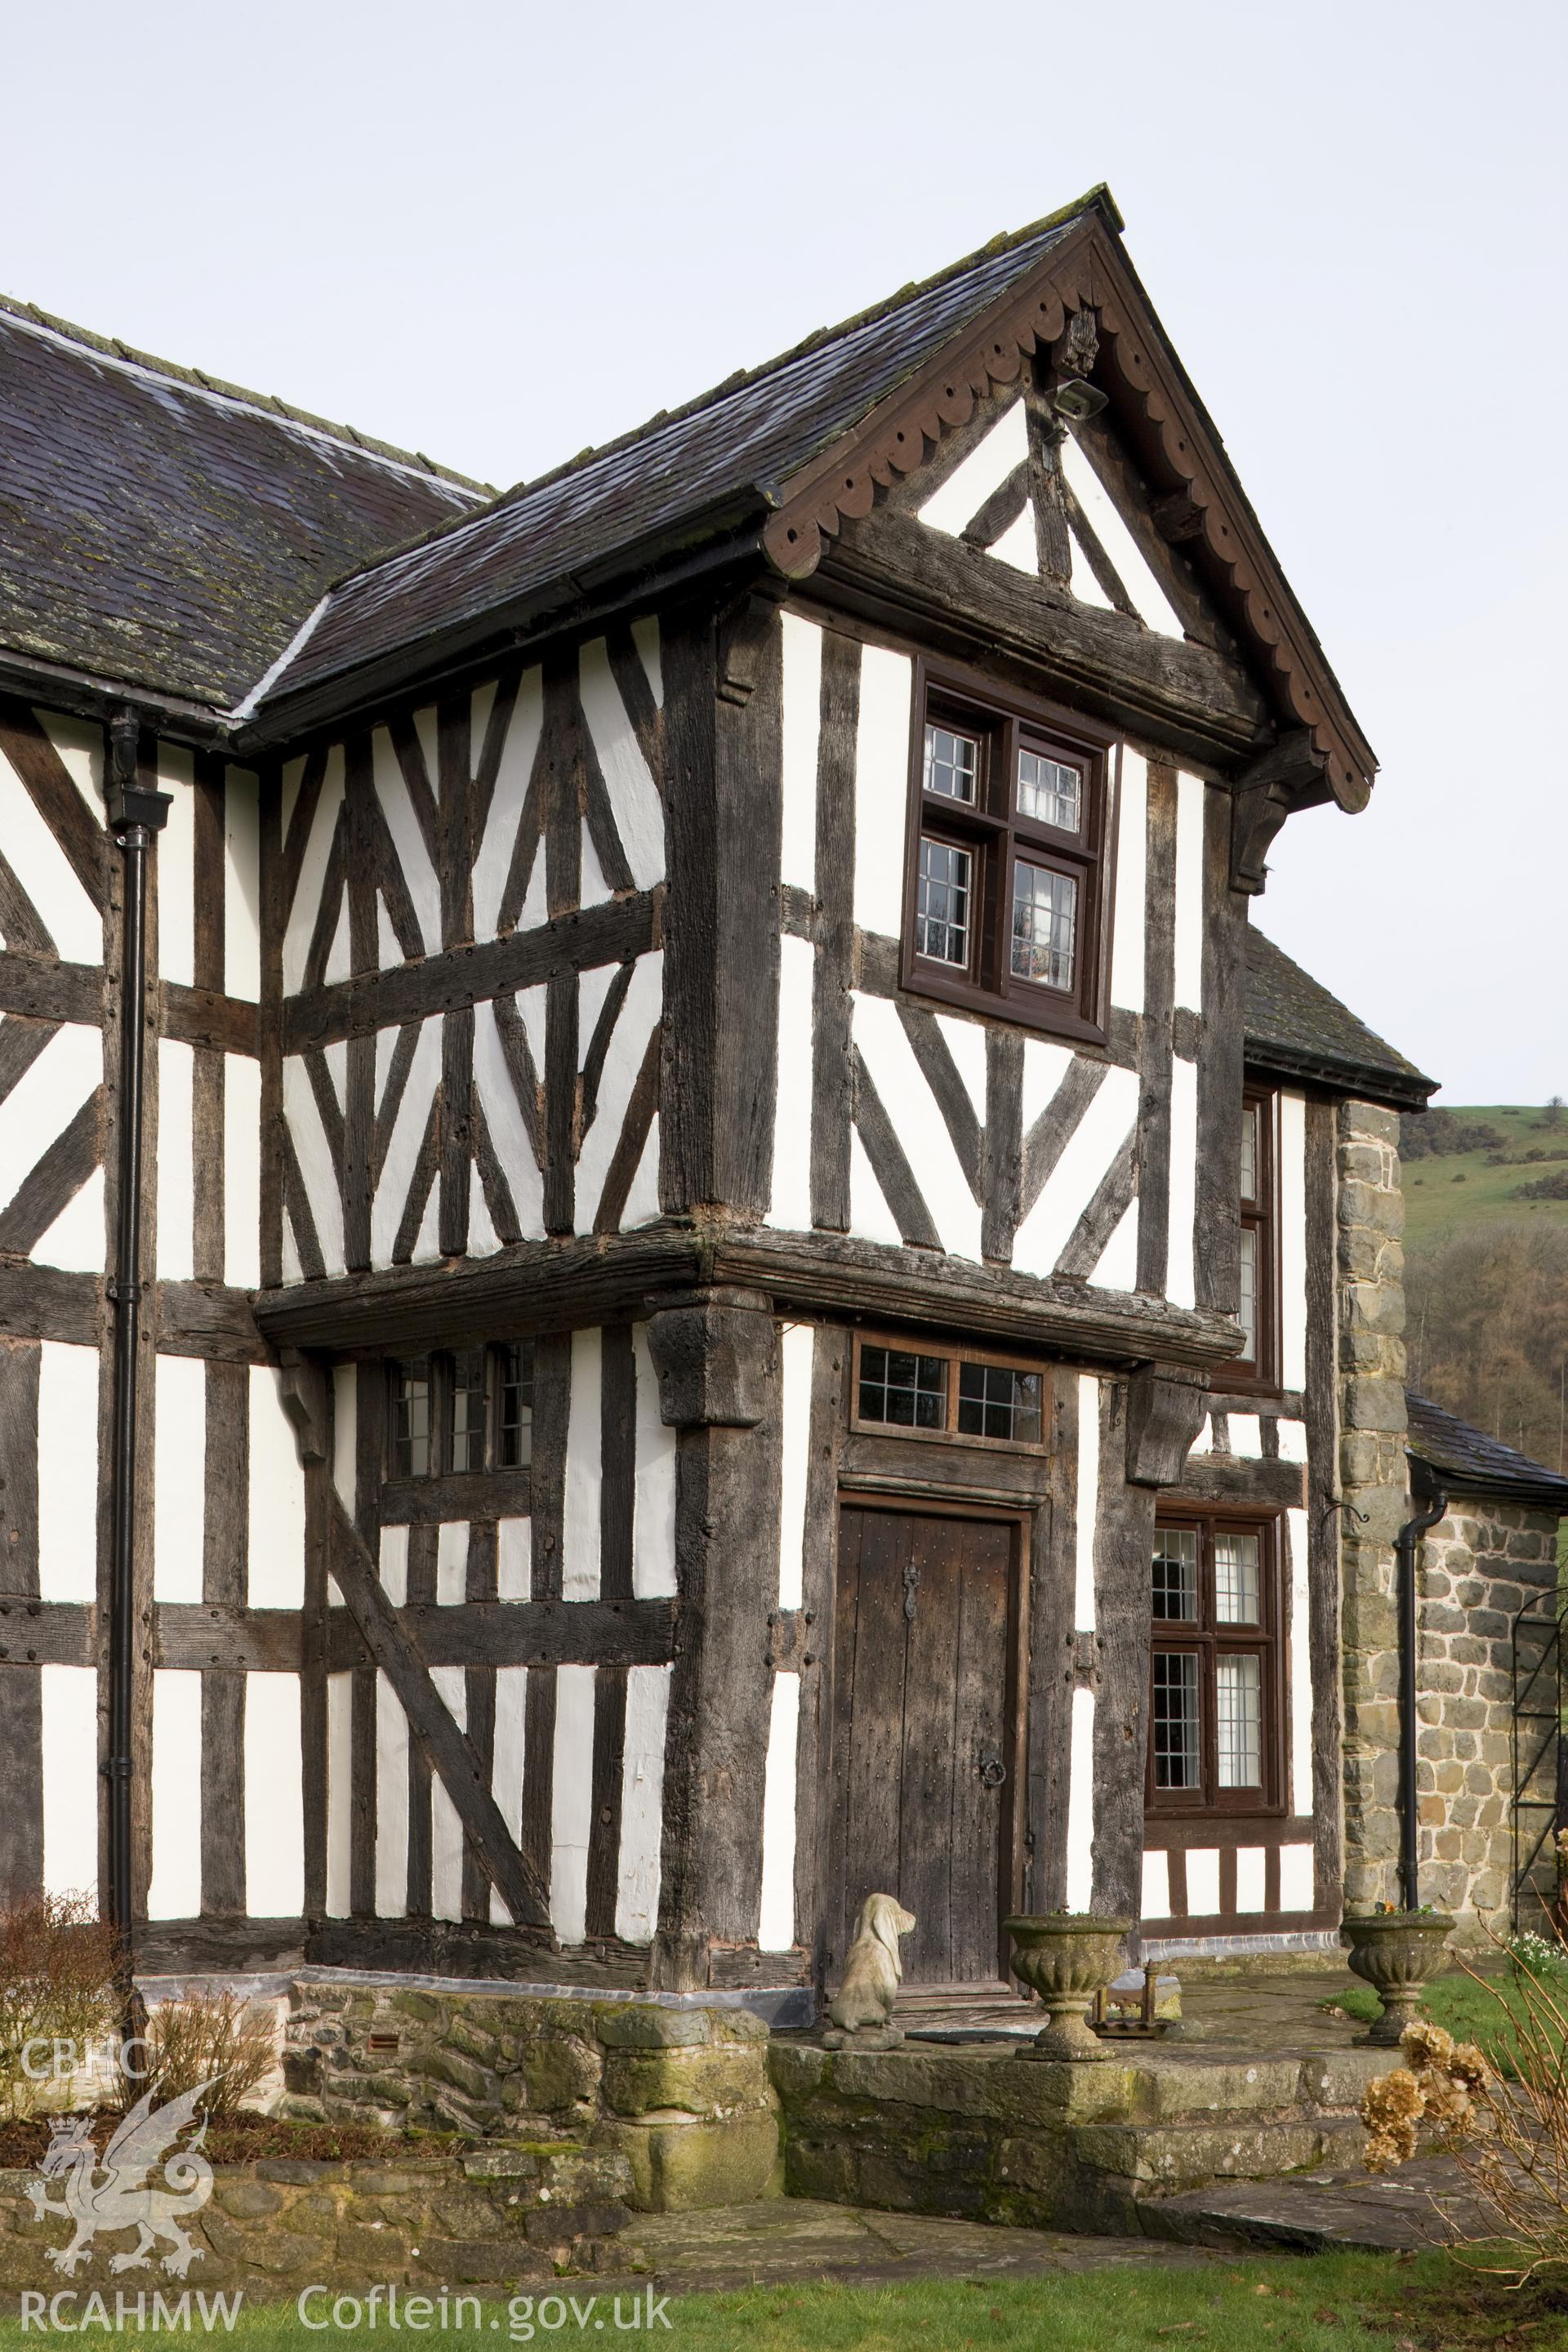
(1259, 1214)
(439, 1364)
(1209, 1641)
(995, 833)
(950, 1435)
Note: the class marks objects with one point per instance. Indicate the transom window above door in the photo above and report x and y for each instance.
(915, 1392)
(1008, 885)
(1215, 1720)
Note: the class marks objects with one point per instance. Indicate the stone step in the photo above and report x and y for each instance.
(1160, 2160)
(1316, 2212)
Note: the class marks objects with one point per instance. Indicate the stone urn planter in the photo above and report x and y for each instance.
(1395, 1952)
(1066, 1958)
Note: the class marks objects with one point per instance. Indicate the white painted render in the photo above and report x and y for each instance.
(514, 1559)
(518, 755)
(1155, 1902)
(1127, 954)
(1302, 1792)
(446, 1840)
(644, 637)
(179, 1472)
(1080, 1803)
(47, 874)
(408, 838)
(452, 1563)
(1298, 1883)
(1292, 1240)
(176, 1160)
(69, 1754)
(797, 1343)
(907, 1099)
(315, 1156)
(274, 1798)
(881, 789)
(584, 1444)
(629, 780)
(1071, 1184)
(80, 743)
(1251, 1866)
(1202, 1882)
(1181, 1235)
(339, 1792)
(800, 730)
(984, 469)
(68, 1473)
(1045, 1068)
(1087, 1508)
(869, 1215)
(241, 1171)
(1292, 1437)
(790, 1204)
(653, 1496)
(1189, 908)
(392, 1565)
(391, 1800)
(1149, 599)
(572, 1799)
(75, 1241)
(1245, 1434)
(242, 884)
(506, 1762)
(174, 861)
(498, 1099)
(301, 925)
(45, 1100)
(635, 1024)
(775, 1926)
(175, 1889)
(642, 1803)
(1116, 1268)
(592, 887)
(391, 1196)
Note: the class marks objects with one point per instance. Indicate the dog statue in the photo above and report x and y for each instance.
(862, 2009)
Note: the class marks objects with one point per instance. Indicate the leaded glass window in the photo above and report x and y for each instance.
(1216, 1735)
(952, 763)
(411, 1418)
(1247, 1302)
(466, 1411)
(1049, 790)
(514, 1405)
(943, 916)
(1045, 924)
(1175, 1576)
(1235, 1578)
(1239, 1721)
(1177, 1761)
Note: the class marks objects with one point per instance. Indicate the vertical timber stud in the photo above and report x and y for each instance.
(136, 814)
(715, 1354)
(1123, 1547)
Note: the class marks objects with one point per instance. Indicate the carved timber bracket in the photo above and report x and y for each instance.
(303, 1384)
(713, 1354)
(1166, 1408)
(1262, 797)
(1086, 273)
(745, 628)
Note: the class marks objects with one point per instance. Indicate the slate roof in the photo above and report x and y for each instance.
(1471, 1463)
(165, 531)
(1295, 1029)
(725, 453)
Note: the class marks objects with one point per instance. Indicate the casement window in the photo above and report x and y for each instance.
(978, 1399)
(1008, 882)
(1258, 1287)
(465, 1409)
(1215, 1736)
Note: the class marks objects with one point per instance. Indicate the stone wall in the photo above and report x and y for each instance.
(1369, 1299)
(1476, 1570)
(681, 2093)
(494, 2217)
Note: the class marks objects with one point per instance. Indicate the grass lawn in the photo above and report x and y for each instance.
(1437, 1205)
(1325, 2303)
(1487, 2014)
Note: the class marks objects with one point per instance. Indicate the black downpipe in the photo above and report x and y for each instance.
(1405, 1544)
(136, 814)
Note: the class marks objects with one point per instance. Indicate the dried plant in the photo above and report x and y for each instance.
(57, 1985)
(1509, 2137)
(203, 2038)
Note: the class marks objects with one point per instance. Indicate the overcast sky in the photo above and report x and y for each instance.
(499, 233)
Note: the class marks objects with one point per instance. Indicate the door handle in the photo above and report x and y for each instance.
(992, 1769)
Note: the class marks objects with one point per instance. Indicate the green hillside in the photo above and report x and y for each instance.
(1449, 1194)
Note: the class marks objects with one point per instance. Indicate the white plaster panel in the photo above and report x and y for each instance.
(1298, 1889)
(69, 1757)
(1116, 1268)
(179, 1474)
(1189, 925)
(1202, 1882)
(1080, 1803)
(1131, 567)
(629, 780)
(1132, 879)
(1180, 1272)
(339, 964)
(504, 1116)
(919, 1124)
(1203, 1441)
(1087, 1504)
(514, 1559)
(45, 1100)
(986, 467)
(869, 1216)
(593, 889)
(797, 1348)
(175, 1890)
(638, 1017)
(517, 754)
(1251, 1864)
(80, 744)
(339, 1792)
(446, 1826)
(1292, 1437)
(642, 1803)
(881, 789)
(241, 1171)
(776, 1924)
(1155, 1900)
(1045, 1068)
(67, 1473)
(301, 923)
(1068, 1190)
(276, 1497)
(241, 885)
(965, 1041)
(483, 1239)
(1018, 545)
(175, 860)
(1302, 1796)
(1293, 1241)
(644, 637)
(314, 1154)
(579, 1520)
(45, 874)
(653, 1498)
(572, 1801)
(392, 1565)
(176, 1160)
(1245, 1434)
(419, 873)
(790, 1203)
(452, 1563)
(274, 1798)
(642, 1201)
(407, 1134)
(345, 1435)
(75, 1241)
(802, 726)
(509, 1755)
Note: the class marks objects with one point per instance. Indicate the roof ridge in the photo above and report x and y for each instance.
(266, 403)
(1097, 198)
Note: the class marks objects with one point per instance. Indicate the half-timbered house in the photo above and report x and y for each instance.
(731, 1278)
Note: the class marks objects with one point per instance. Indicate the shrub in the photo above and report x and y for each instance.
(1545, 1188)
(58, 1983)
(203, 2038)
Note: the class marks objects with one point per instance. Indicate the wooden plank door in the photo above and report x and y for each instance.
(924, 1745)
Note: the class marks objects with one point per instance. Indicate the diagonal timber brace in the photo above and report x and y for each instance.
(449, 1750)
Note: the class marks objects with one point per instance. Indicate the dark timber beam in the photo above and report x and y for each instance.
(1287, 776)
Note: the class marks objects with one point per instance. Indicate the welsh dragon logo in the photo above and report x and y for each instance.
(116, 2194)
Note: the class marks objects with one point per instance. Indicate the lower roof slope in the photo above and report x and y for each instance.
(1467, 1462)
(1295, 1029)
(160, 530)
